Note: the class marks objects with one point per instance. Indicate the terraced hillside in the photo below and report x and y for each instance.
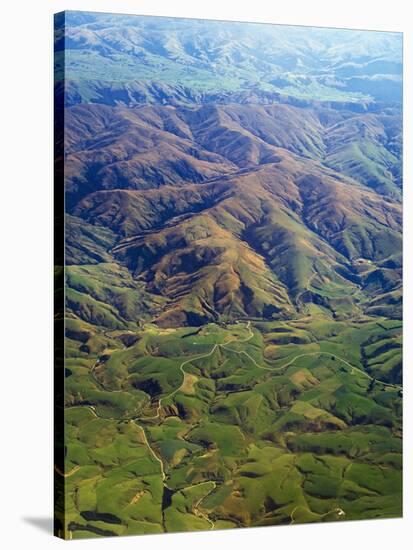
(232, 277)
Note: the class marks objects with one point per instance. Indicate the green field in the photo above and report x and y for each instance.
(239, 425)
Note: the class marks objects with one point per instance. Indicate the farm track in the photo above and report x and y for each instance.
(135, 419)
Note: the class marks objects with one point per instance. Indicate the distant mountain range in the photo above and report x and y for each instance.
(113, 58)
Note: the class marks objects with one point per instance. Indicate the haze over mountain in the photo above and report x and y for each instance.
(115, 58)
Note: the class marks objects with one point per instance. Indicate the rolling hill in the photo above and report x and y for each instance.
(231, 276)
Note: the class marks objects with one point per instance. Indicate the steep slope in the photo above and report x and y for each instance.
(114, 148)
(367, 148)
(296, 228)
(150, 146)
(206, 273)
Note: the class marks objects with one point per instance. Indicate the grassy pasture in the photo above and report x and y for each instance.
(245, 424)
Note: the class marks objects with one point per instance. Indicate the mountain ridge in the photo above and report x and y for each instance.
(260, 190)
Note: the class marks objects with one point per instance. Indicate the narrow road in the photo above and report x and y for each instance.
(181, 368)
(176, 390)
(224, 345)
(134, 419)
(196, 509)
(291, 361)
(69, 473)
(298, 299)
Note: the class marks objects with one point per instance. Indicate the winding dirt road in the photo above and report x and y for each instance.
(135, 419)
